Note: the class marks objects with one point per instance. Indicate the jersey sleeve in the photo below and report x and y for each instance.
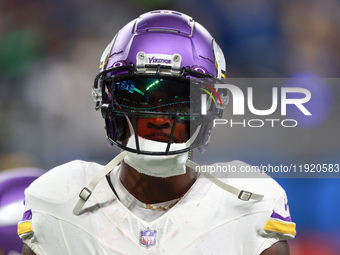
(280, 223)
(26, 233)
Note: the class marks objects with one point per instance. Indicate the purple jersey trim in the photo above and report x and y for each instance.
(27, 215)
(275, 215)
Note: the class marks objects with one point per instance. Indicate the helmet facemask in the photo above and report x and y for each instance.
(129, 97)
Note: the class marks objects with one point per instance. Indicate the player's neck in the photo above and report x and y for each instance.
(150, 190)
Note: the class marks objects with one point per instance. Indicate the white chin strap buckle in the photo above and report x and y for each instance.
(241, 194)
(86, 192)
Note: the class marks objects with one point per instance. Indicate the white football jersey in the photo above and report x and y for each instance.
(207, 220)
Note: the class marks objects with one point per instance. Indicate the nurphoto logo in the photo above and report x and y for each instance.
(238, 105)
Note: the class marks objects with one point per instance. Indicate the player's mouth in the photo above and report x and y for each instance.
(160, 137)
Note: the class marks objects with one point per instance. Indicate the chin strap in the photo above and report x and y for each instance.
(86, 192)
(241, 194)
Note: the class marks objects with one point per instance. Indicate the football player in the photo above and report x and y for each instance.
(157, 92)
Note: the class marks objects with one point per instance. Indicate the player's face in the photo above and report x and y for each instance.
(149, 96)
(158, 128)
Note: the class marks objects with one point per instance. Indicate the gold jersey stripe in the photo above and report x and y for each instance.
(24, 227)
(281, 227)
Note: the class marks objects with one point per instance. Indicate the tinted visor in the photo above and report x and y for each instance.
(155, 95)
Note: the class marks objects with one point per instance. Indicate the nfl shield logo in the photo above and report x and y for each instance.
(147, 237)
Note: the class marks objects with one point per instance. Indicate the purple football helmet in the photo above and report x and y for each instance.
(12, 185)
(160, 64)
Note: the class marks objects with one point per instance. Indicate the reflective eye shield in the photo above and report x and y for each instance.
(155, 95)
(122, 72)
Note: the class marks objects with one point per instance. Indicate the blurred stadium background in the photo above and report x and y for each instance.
(49, 55)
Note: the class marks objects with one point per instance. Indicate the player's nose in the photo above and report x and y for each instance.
(159, 123)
